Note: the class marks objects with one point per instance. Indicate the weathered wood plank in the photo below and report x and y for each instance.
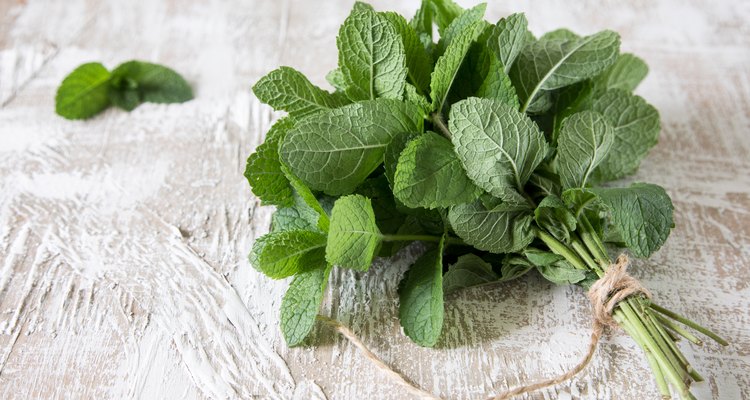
(123, 238)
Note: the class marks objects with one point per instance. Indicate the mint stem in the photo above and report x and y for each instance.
(437, 120)
(687, 322)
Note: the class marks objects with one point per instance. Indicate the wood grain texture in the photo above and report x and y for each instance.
(123, 239)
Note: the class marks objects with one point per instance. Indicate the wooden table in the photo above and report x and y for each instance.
(123, 239)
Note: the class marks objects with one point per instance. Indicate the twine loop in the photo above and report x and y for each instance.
(615, 286)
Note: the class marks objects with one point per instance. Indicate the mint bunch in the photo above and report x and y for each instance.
(488, 144)
(91, 88)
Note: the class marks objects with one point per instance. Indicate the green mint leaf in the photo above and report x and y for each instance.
(543, 182)
(354, 236)
(625, 74)
(387, 216)
(447, 66)
(371, 56)
(287, 89)
(412, 96)
(585, 140)
(83, 93)
(497, 227)
(560, 34)
(461, 23)
(551, 64)
(514, 267)
(497, 84)
(510, 37)
(301, 303)
(469, 270)
(298, 217)
(308, 198)
(127, 99)
(636, 130)
(422, 20)
(541, 258)
(444, 12)
(641, 213)
(393, 152)
(418, 62)
(421, 308)
(154, 83)
(351, 138)
(263, 170)
(498, 146)
(562, 273)
(554, 216)
(283, 254)
(430, 175)
(336, 78)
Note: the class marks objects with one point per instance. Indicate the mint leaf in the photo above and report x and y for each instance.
(498, 146)
(418, 62)
(497, 84)
(497, 227)
(298, 217)
(127, 98)
(351, 138)
(308, 198)
(636, 130)
(421, 308)
(283, 254)
(469, 270)
(514, 267)
(422, 20)
(371, 56)
(560, 34)
(287, 89)
(447, 66)
(154, 83)
(83, 93)
(430, 175)
(585, 140)
(336, 78)
(641, 213)
(553, 216)
(511, 36)
(354, 236)
(444, 12)
(418, 100)
(393, 153)
(562, 273)
(625, 74)
(301, 303)
(467, 18)
(554, 63)
(263, 169)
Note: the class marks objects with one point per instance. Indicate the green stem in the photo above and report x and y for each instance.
(679, 318)
(592, 241)
(626, 325)
(437, 120)
(581, 250)
(560, 249)
(678, 329)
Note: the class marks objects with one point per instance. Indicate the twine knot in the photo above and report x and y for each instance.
(615, 286)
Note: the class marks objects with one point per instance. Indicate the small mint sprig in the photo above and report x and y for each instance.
(91, 88)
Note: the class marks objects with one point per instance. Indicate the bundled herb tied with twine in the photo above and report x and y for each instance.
(490, 146)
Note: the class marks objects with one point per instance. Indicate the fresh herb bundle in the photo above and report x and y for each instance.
(489, 144)
(91, 88)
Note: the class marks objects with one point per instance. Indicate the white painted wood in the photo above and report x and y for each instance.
(123, 238)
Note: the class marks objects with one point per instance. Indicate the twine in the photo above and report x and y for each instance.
(615, 286)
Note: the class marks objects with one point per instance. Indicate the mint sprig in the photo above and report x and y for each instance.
(488, 144)
(91, 88)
